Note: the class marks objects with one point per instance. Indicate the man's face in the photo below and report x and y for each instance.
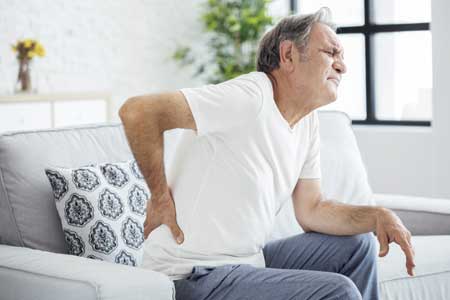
(318, 70)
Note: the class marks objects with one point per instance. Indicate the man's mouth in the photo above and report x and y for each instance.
(335, 80)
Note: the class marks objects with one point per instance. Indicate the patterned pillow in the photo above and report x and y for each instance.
(102, 208)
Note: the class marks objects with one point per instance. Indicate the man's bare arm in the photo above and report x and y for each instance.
(311, 209)
(314, 213)
(145, 118)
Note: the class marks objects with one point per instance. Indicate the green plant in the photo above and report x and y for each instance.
(234, 28)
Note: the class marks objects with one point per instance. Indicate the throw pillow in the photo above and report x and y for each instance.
(102, 208)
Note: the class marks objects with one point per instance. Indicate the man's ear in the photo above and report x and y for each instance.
(286, 55)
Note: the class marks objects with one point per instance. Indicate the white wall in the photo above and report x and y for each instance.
(125, 47)
(119, 46)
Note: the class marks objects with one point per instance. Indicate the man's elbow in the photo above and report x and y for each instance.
(129, 111)
(304, 225)
(306, 215)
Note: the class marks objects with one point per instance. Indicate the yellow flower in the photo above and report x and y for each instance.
(27, 43)
(39, 49)
(29, 48)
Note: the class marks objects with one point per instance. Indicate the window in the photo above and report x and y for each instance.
(388, 57)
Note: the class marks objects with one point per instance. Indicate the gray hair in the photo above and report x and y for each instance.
(294, 28)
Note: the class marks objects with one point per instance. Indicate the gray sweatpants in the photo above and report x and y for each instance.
(309, 266)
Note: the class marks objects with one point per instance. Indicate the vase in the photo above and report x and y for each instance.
(24, 77)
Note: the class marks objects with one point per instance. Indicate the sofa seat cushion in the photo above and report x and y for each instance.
(432, 271)
(33, 274)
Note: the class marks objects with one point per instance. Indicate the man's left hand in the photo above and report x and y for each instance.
(389, 228)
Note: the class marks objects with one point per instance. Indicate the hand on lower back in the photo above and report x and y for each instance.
(161, 210)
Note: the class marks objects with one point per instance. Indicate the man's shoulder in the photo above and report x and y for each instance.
(258, 80)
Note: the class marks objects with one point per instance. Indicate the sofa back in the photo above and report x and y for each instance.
(28, 215)
(345, 177)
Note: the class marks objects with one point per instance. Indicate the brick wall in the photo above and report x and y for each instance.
(123, 47)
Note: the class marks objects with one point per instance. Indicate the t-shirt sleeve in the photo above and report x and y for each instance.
(221, 107)
(311, 167)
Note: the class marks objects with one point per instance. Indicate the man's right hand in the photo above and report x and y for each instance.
(161, 210)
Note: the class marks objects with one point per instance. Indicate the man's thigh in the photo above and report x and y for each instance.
(316, 251)
(233, 282)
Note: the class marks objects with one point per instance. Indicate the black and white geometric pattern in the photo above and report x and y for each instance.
(102, 208)
(102, 238)
(125, 258)
(85, 179)
(78, 211)
(94, 257)
(137, 199)
(114, 175)
(132, 233)
(110, 205)
(58, 182)
(74, 243)
(135, 170)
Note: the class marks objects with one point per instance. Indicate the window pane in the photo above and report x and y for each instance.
(344, 12)
(352, 89)
(403, 75)
(401, 11)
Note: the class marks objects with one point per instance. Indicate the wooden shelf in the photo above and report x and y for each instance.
(33, 110)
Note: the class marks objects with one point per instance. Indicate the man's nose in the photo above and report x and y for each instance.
(340, 66)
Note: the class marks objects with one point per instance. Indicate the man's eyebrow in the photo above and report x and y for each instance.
(337, 47)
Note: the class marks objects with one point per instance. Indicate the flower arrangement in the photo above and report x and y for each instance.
(26, 49)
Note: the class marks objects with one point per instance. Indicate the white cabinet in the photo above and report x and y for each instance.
(37, 111)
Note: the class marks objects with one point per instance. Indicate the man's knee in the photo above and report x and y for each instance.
(327, 286)
(345, 289)
(366, 243)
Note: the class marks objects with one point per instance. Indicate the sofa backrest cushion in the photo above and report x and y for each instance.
(28, 215)
(344, 177)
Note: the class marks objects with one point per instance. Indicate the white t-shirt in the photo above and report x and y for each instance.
(230, 179)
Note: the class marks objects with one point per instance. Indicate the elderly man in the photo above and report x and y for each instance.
(250, 143)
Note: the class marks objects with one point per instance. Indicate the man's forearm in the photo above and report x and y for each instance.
(146, 141)
(343, 219)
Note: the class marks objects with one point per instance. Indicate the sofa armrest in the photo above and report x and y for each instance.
(421, 215)
(33, 274)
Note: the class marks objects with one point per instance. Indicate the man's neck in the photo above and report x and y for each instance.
(292, 105)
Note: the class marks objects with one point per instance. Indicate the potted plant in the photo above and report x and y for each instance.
(234, 28)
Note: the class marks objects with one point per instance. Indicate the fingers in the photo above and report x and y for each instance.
(409, 253)
(410, 244)
(149, 226)
(177, 233)
(384, 244)
(174, 228)
(147, 229)
(146, 232)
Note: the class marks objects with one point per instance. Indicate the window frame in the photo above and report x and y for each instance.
(368, 29)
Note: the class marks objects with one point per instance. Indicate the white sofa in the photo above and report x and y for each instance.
(33, 259)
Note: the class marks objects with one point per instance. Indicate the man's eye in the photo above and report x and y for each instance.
(330, 53)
